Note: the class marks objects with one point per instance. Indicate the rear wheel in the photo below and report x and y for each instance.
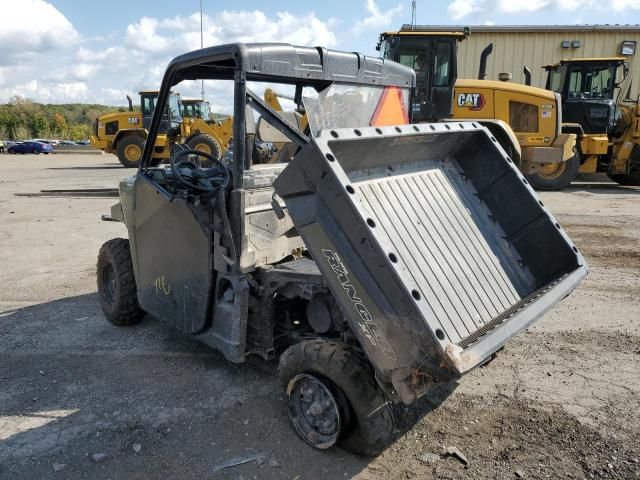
(626, 179)
(333, 398)
(36, 151)
(116, 283)
(554, 176)
(11, 151)
(207, 144)
(130, 150)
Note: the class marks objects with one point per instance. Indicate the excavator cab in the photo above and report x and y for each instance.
(589, 90)
(433, 56)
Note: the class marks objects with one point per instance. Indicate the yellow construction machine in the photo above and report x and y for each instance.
(124, 133)
(608, 129)
(524, 120)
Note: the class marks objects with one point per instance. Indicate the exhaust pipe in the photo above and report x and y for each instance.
(130, 103)
(527, 75)
(482, 73)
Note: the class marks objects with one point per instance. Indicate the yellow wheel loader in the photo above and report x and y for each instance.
(608, 130)
(524, 120)
(206, 133)
(124, 133)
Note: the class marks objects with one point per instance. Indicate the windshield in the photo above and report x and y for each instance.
(204, 111)
(174, 107)
(343, 105)
(188, 110)
(415, 53)
(592, 81)
(148, 105)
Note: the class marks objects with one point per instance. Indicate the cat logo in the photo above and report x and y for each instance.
(472, 101)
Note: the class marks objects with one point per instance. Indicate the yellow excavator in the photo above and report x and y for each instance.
(523, 119)
(124, 133)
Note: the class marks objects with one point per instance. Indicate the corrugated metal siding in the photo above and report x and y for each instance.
(513, 50)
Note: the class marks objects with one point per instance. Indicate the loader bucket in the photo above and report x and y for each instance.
(432, 242)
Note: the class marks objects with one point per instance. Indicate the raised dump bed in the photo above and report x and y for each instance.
(441, 251)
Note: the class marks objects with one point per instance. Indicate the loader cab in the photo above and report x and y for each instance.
(196, 109)
(172, 117)
(589, 88)
(433, 56)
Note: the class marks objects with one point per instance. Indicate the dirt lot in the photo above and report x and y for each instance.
(561, 401)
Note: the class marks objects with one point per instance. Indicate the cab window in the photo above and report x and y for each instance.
(442, 65)
(148, 105)
(595, 81)
(555, 80)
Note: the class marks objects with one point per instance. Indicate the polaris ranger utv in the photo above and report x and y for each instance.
(372, 258)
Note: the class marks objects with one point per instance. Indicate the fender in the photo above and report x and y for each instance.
(505, 136)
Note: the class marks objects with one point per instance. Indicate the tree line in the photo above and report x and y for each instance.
(22, 119)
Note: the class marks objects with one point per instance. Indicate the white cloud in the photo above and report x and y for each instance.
(31, 27)
(621, 5)
(377, 18)
(50, 93)
(461, 8)
(134, 58)
(172, 36)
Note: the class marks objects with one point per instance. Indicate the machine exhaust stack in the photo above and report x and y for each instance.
(482, 74)
(130, 103)
(527, 75)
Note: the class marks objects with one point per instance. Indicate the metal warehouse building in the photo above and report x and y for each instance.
(539, 45)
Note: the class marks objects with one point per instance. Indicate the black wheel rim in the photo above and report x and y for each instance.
(109, 283)
(314, 411)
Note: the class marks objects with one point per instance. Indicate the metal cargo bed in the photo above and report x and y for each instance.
(432, 242)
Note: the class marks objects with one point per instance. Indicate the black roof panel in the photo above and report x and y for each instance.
(287, 63)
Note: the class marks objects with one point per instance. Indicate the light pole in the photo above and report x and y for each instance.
(201, 43)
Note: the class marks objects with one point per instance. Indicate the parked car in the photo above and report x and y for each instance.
(83, 142)
(67, 143)
(30, 147)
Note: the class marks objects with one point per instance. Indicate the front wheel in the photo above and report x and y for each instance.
(36, 151)
(333, 398)
(207, 144)
(130, 150)
(11, 151)
(554, 176)
(116, 283)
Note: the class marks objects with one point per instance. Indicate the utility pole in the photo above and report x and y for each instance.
(202, 42)
(413, 14)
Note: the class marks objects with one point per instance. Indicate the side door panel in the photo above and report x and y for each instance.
(173, 260)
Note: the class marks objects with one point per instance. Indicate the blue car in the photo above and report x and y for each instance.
(30, 147)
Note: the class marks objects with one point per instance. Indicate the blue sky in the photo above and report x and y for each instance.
(59, 51)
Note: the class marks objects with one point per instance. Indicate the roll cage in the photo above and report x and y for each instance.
(279, 63)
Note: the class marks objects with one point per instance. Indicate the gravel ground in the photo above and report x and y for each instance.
(80, 398)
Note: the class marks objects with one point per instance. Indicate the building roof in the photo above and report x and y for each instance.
(526, 28)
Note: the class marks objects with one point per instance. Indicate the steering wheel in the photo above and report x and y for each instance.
(189, 171)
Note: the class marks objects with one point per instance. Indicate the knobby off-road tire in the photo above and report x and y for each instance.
(116, 283)
(555, 176)
(207, 144)
(130, 150)
(368, 424)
